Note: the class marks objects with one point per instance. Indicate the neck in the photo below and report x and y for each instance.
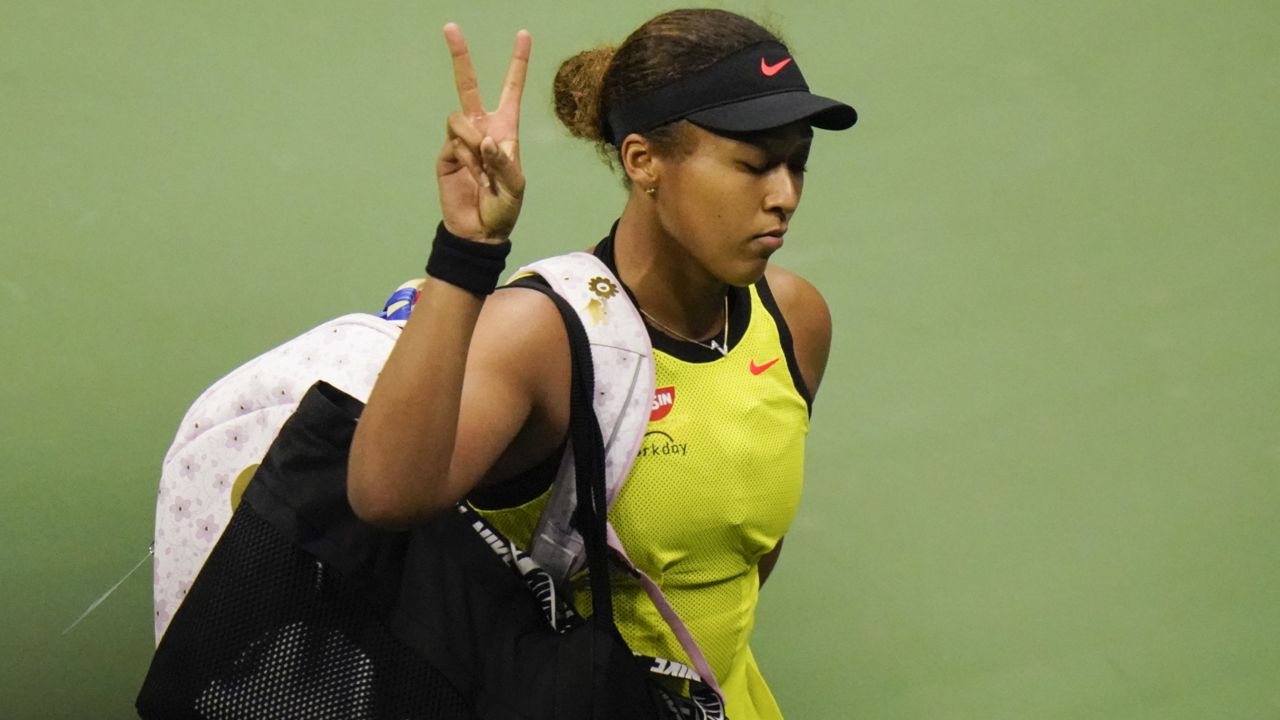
(667, 281)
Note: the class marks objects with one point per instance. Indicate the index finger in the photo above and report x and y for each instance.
(464, 74)
(513, 85)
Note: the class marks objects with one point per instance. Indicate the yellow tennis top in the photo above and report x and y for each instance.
(714, 488)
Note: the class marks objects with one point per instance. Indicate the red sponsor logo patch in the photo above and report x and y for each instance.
(663, 400)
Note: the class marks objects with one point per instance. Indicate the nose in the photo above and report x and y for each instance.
(782, 194)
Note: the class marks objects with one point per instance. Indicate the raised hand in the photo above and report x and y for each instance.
(478, 170)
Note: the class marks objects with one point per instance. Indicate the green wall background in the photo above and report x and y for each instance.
(1044, 465)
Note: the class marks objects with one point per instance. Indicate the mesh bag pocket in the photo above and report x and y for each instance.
(269, 631)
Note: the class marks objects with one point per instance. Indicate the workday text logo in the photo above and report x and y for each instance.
(659, 444)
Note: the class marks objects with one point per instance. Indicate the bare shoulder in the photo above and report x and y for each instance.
(795, 293)
(521, 336)
(809, 319)
(517, 320)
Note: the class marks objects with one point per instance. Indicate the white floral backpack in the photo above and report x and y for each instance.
(229, 427)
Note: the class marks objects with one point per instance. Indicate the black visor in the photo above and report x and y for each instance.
(757, 88)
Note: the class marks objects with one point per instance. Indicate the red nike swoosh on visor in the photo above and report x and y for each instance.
(771, 70)
(757, 369)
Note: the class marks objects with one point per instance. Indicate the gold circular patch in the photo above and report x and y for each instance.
(241, 482)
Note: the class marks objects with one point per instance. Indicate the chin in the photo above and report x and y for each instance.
(747, 275)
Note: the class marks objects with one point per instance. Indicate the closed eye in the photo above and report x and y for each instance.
(798, 167)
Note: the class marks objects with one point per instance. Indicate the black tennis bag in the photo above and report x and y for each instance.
(302, 610)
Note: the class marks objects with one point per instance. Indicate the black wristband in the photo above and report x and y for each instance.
(470, 265)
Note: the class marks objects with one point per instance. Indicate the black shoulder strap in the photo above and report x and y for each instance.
(587, 445)
(591, 514)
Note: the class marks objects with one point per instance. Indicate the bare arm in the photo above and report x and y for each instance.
(809, 318)
(459, 389)
(446, 416)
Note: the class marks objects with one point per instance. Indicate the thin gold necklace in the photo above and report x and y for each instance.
(713, 345)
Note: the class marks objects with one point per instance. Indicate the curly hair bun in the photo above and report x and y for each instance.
(577, 90)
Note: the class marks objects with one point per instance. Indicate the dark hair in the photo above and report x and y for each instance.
(664, 49)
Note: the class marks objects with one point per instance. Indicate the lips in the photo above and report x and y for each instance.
(771, 239)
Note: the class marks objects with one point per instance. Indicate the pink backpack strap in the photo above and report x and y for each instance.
(668, 613)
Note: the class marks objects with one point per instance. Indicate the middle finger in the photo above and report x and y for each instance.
(513, 86)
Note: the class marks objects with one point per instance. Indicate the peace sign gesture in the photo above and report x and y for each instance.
(478, 170)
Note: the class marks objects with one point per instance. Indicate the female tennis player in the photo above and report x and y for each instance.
(710, 121)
